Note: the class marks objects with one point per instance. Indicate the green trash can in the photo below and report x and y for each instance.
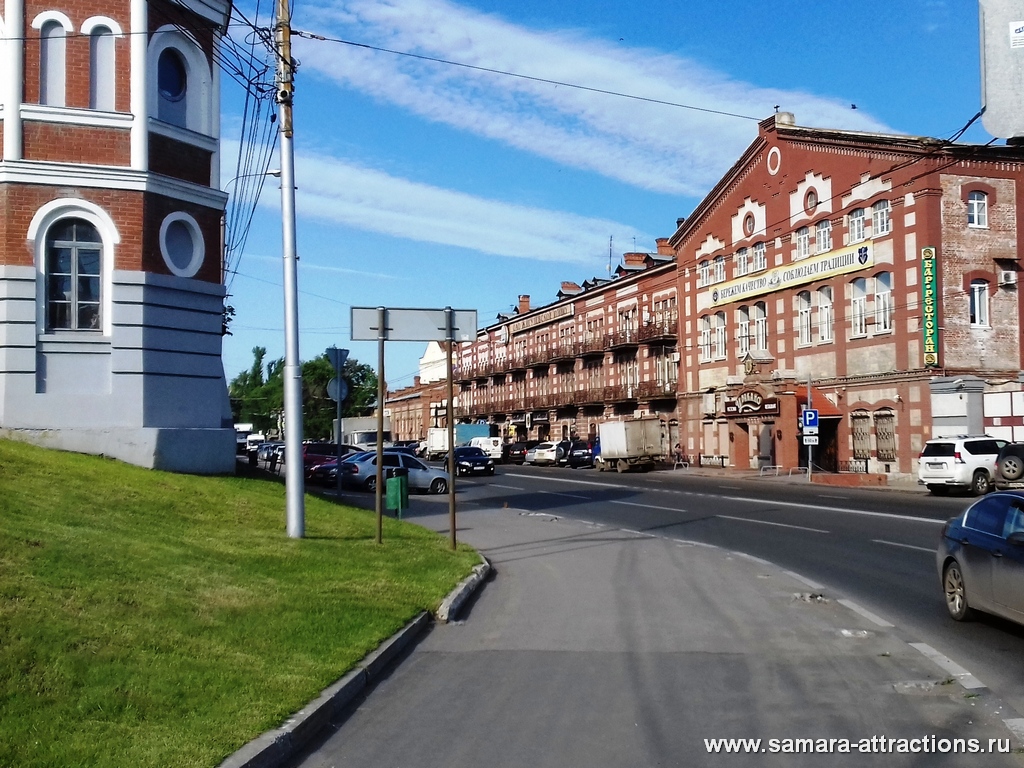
(396, 487)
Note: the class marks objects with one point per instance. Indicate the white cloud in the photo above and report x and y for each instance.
(343, 193)
(650, 146)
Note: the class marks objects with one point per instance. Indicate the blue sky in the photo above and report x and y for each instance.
(428, 185)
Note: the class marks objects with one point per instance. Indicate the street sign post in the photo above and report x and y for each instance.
(339, 393)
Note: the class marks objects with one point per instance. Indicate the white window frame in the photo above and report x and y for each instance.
(803, 242)
(804, 320)
(826, 315)
(883, 302)
(705, 338)
(53, 73)
(977, 210)
(719, 269)
(198, 97)
(743, 330)
(978, 309)
(742, 259)
(881, 218)
(102, 31)
(761, 325)
(857, 230)
(721, 336)
(859, 308)
(703, 273)
(823, 236)
(760, 257)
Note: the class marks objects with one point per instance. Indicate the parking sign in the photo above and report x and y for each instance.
(810, 418)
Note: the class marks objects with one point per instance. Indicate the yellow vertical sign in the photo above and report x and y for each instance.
(930, 306)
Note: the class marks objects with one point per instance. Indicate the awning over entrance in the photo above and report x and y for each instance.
(819, 401)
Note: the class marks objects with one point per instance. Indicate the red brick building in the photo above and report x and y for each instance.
(603, 350)
(110, 244)
(882, 269)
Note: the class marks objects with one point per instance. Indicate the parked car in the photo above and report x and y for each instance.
(516, 453)
(318, 453)
(317, 465)
(270, 448)
(470, 460)
(562, 449)
(1010, 464)
(961, 462)
(580, 454)
(327, 472)
(542, 454)
(980, 558)
(360, 472)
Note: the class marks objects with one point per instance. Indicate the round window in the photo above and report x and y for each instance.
(748, 224)
(811, 201)
(172, 78)
(181, 244)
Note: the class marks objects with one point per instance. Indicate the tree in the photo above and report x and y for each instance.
(257, 395)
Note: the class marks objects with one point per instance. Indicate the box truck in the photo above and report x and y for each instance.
(626, 445)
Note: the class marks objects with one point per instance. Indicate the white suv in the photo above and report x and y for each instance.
(964, 462)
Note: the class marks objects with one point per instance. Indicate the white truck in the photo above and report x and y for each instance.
(361, 431)
(626, 445)
(437, 438)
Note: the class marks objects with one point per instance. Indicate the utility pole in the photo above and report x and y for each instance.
(294, 479)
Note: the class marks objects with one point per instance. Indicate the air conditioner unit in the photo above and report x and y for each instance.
(674, 357)
(1007, 277)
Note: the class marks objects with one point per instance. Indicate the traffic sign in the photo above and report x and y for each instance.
(810, 418)
(810, 439)
(337, 357)
(337, 389)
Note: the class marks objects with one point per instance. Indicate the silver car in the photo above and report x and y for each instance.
(980, 558)
(360, 472)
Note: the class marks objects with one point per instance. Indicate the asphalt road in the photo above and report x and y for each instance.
(875, 546)
(611, 637)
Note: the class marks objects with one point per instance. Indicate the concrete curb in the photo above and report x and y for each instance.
(273, 748)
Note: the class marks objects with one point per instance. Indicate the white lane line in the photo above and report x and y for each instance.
(746, 499)
(752, 557)
(638, 533)
(508, 487)
(873, 618)
(565, 495)
(769, 522)
(645, 506)
(804, 580)
(731, 487)
(929, 550)
(691, 543)
(966, 679)
(830, 496)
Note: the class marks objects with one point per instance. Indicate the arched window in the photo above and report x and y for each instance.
(719, 269)
(883, 302)
(101, 69)
(73, 276)
(979, 303)
(704, 272)
(742, 259)
(823, 236)
(803, 318)
(761, 326)
(856, 225)
(705, 338)
(977, 210)
(760, 257)
(743, 330)
(803, 243)
(825, 314)
(859, 307)
(172, 88)
(881, 220)
(52, 63)
(720, 336)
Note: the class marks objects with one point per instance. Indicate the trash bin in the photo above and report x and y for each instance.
(396, 486)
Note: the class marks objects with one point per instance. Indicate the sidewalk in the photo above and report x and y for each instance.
(900, 482)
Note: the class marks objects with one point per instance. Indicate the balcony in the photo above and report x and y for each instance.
(662, 329)
(621, 339)
(563, 351)
(538, 359)
(462, 373)
(592, 345)
(517, 363)
(589, 396)
(656, 389)
(620, 393)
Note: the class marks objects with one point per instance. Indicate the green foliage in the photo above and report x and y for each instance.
(153, 619)
(257, 395)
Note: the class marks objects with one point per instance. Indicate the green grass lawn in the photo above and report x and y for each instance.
(153, 619)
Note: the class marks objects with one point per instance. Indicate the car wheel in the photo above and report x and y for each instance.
(939, 490)
(439, 485)
(955, 593)
(980, 484)
(1011, 467)
(370, 484)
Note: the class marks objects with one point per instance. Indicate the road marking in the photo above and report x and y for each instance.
(565, 495)
(966, 679)
(829, 496)
(644, 506)
(769, 522)
(774, 502)
(873, 618)
(804, 580)
(752, 557)
(930, 551)
(638, 533)
(731, 487)
(508, 487)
